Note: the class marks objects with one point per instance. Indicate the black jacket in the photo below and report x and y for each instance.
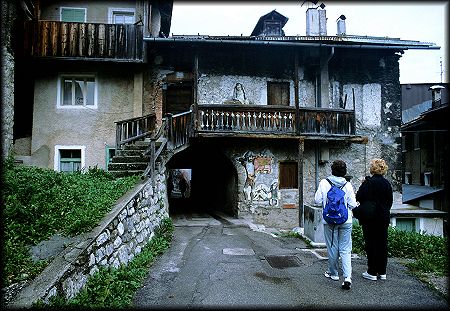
(378, 189)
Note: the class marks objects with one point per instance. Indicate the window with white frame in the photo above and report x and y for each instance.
(68, 14)
(69, 158)
(77, 91)
(121, 16)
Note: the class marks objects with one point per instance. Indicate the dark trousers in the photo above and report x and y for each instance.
(375, 238)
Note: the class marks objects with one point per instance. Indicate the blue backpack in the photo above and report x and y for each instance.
(335, 212)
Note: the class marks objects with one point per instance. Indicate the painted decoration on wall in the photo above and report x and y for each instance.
(255, 165)
(263, 165)
(239, 94)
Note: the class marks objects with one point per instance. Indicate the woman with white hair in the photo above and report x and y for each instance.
(378, 190)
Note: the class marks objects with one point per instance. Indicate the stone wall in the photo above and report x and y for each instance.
(119, 237)
(7, 76)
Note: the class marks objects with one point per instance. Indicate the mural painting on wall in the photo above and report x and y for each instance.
(255, 165)
(239, 94)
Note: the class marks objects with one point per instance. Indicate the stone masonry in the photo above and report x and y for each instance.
(119, 237)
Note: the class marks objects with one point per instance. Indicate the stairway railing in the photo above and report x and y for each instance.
(173, 133)
(133, 129)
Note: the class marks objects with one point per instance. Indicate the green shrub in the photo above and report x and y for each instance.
(37, 203)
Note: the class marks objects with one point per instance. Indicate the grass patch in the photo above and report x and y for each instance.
(37, 203)
(115, 288)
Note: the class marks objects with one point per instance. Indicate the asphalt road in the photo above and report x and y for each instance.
(230, 264)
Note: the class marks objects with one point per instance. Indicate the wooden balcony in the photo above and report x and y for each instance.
(274, 120)
(116, 42)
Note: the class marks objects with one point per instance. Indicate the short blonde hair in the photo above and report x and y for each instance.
(378, 167)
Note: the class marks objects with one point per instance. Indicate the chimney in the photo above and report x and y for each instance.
(316, 22)
(341, 30)
(436, 95)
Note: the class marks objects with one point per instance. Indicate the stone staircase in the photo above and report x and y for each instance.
(130, 160)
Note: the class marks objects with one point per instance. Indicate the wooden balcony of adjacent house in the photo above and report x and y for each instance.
(87, 41)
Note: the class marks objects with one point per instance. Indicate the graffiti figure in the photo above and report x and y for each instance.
(247, 162)
(239, 94)
(273, 200)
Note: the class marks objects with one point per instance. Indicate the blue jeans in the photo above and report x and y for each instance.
(341, 237)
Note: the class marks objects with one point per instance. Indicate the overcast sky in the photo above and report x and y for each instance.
(425, 21)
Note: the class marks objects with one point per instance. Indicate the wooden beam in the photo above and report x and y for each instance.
(301, 149)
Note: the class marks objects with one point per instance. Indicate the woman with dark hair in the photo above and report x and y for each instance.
(376, 189)
(338, 238)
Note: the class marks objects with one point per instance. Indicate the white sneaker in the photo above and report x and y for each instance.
(369, 276)
(382, 276)
(333, 277)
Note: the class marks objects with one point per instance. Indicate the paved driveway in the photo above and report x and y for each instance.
(230, 264)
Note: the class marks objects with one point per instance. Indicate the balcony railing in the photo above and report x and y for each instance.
(259, 119)
(84, 40)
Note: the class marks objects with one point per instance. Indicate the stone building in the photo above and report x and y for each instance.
(256, 119)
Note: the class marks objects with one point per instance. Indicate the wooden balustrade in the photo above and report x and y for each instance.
(85, 40)
(180, 128)
(251, 119)
(275, 120)
(326, 121)
(133, 129)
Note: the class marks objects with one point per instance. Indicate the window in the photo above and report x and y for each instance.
(288, 175)
(77, 92)
(69, 158)
(120, 16)
(427, 178)
(272, 28)
(278, 93)
(406, 224)
(73, 15)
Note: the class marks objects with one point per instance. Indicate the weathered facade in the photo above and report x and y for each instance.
(257, 119)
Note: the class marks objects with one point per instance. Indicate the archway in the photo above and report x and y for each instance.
(211, 178)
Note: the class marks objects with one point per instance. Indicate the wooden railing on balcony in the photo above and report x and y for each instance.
(274, 120)
(134, 129)
(246, 119)
(84, 40)
(326, 121)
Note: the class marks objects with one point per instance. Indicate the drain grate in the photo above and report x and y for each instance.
(281, 262)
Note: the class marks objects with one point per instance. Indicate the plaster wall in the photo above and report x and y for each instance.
(88, 127)
(216, 89)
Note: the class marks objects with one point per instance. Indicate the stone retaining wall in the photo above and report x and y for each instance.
(116, 240)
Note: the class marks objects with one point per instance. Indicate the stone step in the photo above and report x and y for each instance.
(130, 158)
(126, 173)
(127, 166)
